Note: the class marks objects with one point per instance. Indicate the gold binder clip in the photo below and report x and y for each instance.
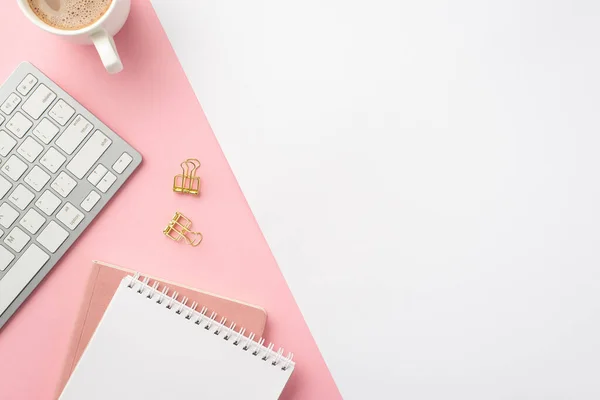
(179, 228)
(187, 181)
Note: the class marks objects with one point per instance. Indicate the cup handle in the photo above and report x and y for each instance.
(108, 51)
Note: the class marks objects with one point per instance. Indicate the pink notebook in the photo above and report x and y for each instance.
(102, 285)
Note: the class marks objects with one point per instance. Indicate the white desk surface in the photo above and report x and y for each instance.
(426, 174)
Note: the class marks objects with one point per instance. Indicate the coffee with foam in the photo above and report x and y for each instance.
(69, 14)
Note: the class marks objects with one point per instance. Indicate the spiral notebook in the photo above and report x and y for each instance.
(152, 345)
(102, 284)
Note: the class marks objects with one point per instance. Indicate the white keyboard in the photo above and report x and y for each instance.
(59, 166)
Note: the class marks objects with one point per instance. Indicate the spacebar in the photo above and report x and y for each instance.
(15, 280)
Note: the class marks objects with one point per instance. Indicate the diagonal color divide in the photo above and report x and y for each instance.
(153, 107)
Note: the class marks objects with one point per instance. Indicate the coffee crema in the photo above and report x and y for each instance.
(69, 14)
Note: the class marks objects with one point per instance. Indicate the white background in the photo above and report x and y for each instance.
(426, 173)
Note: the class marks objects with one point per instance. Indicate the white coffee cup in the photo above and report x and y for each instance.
(100, 33)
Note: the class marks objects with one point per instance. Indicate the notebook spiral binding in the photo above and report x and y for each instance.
(228, 333)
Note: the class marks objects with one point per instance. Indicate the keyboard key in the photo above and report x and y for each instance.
(122, 163)
(8, 215)
(30, 149)
(5, 258)
(106, 182)
(21, 197)
(53, 160)
(70, 216)
(2, 119)
(10, 103)
(18, 125)
(37, 178)
(61, 112)
(21, 273)
(97, 174)
(17, 239)
(63, 184)
(5, 186)
(74, 134)
(89, 154)
(6, 143)
(90, 201)
(27, 84)
(45, 130)
(39, 101)
(48, 202)
(32, 221)
(52, 236)
(14, 168)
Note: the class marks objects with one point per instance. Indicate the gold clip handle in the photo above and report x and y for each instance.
(195, 240)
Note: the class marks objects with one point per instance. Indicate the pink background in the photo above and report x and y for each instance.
(153, 107)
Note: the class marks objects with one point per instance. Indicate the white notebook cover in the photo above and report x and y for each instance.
(145, 350)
